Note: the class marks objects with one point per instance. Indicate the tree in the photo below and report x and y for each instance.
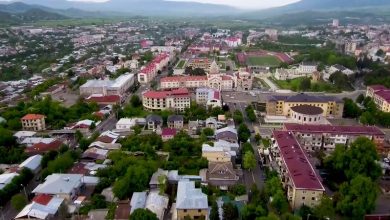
(271, 216)
(249, 161)
(18, 202)
(257, 138)
(367, 118)
(237, 117)
(247, 147)
(351, 109)
(208, 132)
(92, 126)
(279, 202)
(243, 133)
(230, 211)
(214, 214)
(360, 99)
(143, 214)
(325, 208)
(135, 101)
(357, 197)
(305, 84)
(162, 184)
(98, 201)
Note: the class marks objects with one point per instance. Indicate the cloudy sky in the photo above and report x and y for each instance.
(247, 4)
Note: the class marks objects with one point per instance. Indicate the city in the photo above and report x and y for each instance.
(169, 115)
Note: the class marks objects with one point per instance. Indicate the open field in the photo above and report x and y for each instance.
(269, 61)
(294, 84)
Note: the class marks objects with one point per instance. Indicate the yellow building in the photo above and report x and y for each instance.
(380, 95)
(191, 202)
(216, 154)
(281, 105)
(33, 122)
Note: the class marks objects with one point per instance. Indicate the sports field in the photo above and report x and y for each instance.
(266, 61)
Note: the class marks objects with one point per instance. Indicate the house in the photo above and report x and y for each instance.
(105, 146)
(6, 178)
(122, 211)
(153, 122)
(83, 125)
(176, 99)
(108, 137)
(175, 121)
(21, 135)
(33, 163)
(42, 207)
(217, 154)
(157, 203)
(94, 154)
(154, 180)
(128, 123)
(66, 186)
(221, 174)
(212, 123)
(168, 133)
(86, 168)
(138, 201)
(227, 134)
(340, 68)
(33, 122)
(380, 95)
(44, 147)
(190, 201)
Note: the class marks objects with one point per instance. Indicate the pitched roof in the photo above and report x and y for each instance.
(59, 183)
(33, 117)
(334, 129)
(41, 147)
(189, 197)
(173, 118)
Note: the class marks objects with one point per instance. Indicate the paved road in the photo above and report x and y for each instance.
(272, 85)
(108, 124)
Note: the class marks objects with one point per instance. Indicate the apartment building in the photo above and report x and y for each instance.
(281, 105)
(297, 175)
(380, 95)
(33, 122)
(177, 100)
(150, 71)
(116, 87)
(314, 136)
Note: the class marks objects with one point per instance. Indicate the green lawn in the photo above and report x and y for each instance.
(180, 65)
(269, 61)
(293, 85)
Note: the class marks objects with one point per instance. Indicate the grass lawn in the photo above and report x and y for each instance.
(181, 63)
(269, 61)
(293, 85)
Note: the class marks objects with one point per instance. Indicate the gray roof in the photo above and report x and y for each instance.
(32, 162)
(302, 97)
(154, 118)
(59, 183)
(189, 197)
(138, 201)
(173, 118)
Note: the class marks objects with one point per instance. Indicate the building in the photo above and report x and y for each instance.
(168, 133)
(380, 95)
(42, 207)
(307, 114)
(175, 121)
(154, 122)
(44, 145)
(6, 178)
(217, 154)
(272, 34)
(201, 63)
(122, 211)
(128, 123)
(157, 204)
(335, 23)
(190, 201)
(243, 80)
(108, 87)
(227, 134)
(307, 67)
(297, 175)
(340, 68)
(178, 100)
(33, 163)
(314, 137)
(33, 122)
(150, 71)
(104, 99)
(281, 105)
(221, 174)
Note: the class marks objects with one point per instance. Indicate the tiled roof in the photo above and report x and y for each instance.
(299, 168)
(164, 94)
(104, 99)
(334, 129)
(32, 117)
(183, 78)
(40, 147)
(42, 199)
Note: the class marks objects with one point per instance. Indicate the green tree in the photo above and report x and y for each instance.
(249, 161)
(271, 216)
(230, 211)
(325, 208)
(214, 214)
(367, 118)
(162, 184)
(18, 202)
(238, 117)
(351, 109)
(279, 202)
(135, 101)
(243, 133)
(208, 132)
(305, 84)
(357, 197)
(360, 99)
(143, 214)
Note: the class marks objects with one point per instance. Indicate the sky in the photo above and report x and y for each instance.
(244, 4)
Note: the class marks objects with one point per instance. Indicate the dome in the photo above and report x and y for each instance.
(307, 110)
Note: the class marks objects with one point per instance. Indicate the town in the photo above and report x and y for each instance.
(155, 119)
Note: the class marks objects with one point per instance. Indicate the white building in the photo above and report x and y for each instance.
(129, 123)
(108, 87)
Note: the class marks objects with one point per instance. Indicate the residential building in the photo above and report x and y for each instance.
(33, 122)
(6, 178)
(154, 122)
(281, 105)
(168, 133)
(201, 63)
(157, 203)
(227, 134)
(175, 121)
(149, 72)
(191, 201)
(380, 95)
(129, 123)
(272, 34)
(43, 146)
(221, 174)
(298, 177)
(217, 154)
(42, 207)
(122, 211)
(178, 100)
(326, 137)
(340, 68)
(33, 163)
(116, 87)
(138, 201)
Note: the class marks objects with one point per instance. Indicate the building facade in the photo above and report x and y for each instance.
(380, 95)
(150, 71)
(177, 100)
(33, 122)
(108, 87)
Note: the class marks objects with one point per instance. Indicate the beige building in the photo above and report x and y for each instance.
(281, 105)
(33, 122)
(297, 175)
(380, 95)
(177, 100)
(191, 202)
(216, 154)
(202, 63)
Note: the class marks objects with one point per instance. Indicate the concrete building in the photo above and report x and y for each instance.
(217, 154)
(190, 201)
(326, 137)
(380, 95)
(108, 87)
(281, 105)
(33, 122)
(300, 180)
(177, 100)
(149, 72)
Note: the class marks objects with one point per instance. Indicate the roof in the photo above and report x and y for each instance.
(41, 147)
(138, 201)
(377, 87)
(33, 117)
(32, 162)
(41, 207)
(182, 92)
(173, 118)
(104, 99)
(189, 197)
(6, 178)
(299, 168)
(22, 134)
(183, 78)
(154, 118)
(334, 129)
(42, 199)
(307, 109)
(59, 183)
(302, 97)
(157, 203)
(122, 210)
(168, 132)
(221, 171)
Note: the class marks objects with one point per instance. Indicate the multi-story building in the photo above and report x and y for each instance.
(177, 100)
(208, 97)
(297, 175)
(380, 95)
(33, 122)
(149, 72)
(243, 80)
(190, 202)
(108, 87)
(202, 63)
(281, 105)
(326, 137)
(307, 67)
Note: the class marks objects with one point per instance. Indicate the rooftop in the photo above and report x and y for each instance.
(299, 168)
(307, 109)
(302, 97)
(33, 117)
(165, 94)
(189, 197)
(59, 183)
(334, 129)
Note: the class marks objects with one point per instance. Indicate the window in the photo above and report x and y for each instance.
(185, 210)
(313, 198)
(303, 198)
(199, 210)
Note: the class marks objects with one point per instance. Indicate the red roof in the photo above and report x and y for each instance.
(105, 139)
(168, 132)
(104, 99)
(334, 129)
(384, 94)
(183, 78)
(78, 168)
(164, 94)
(377, 87)
(299, 168)
(43, 147)
(42, 199)
(33, 117)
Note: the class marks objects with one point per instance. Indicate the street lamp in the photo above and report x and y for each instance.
(24, 189)
(308, 216)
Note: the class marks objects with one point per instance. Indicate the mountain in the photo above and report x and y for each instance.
(141, 7)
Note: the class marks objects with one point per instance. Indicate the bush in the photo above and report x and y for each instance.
(18, 202)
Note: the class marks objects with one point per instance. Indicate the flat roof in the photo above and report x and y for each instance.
(334, 129)
(299, 168)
